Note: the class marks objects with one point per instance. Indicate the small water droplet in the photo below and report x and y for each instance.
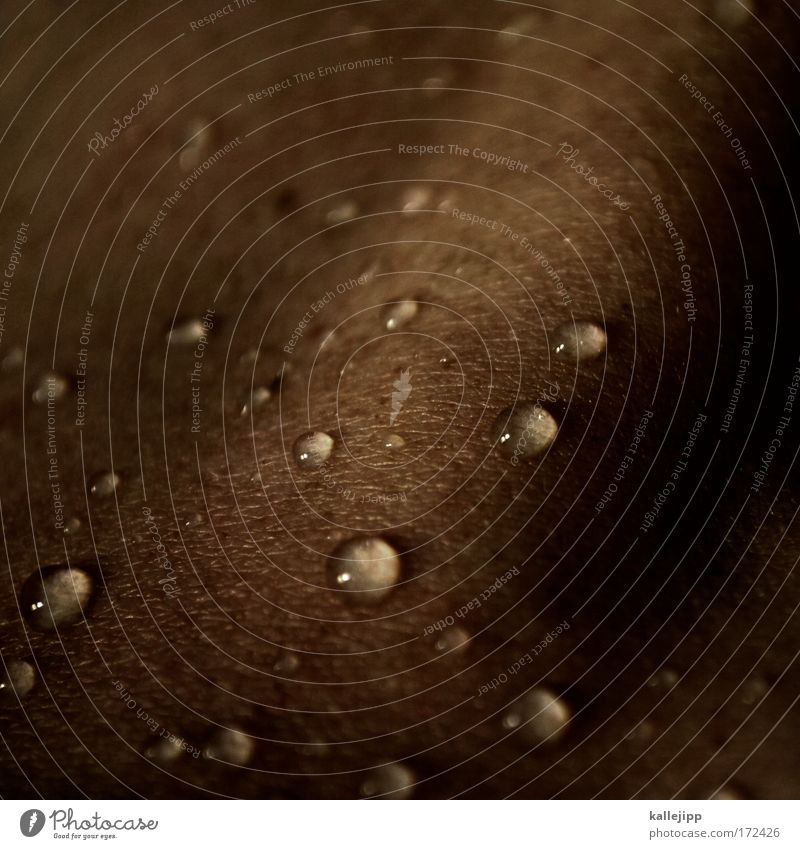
(641, 732)
(165, 751)
(367, 567)
(525, 431)
(733, 13)
(195, 520)
(229, 745)
(416, 198)
(582, 340)
(287, 662)
(397, 314)
(186, 331)
(452, 639)
(56, 596)
(540, 715)
(391, 781)
(393, 441)
(258, 399)
(13, 360)
(50, 387)
(727, 793)
(72, 525)
(435, 86)
(753, 690)
(198, 137)
(344, 212)
(664, 678)
(525, 25)
(16, 681)
(312, 449)
(104, 484)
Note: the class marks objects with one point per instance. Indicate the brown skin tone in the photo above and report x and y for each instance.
(708, 591)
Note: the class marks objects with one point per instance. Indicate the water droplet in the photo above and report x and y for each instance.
(344, 212)
(753, 690)
(525, 25)
(56, 596)
(397, 314)
(416, 198)
(452, 639)
(13, 360)
(50, 387)
(579, 340)
(727, 793)
(229, 745)
(435, 86)
(525, 431)
(198, 137)
(664, 678)
(641, 732)
(367, 567)
(733, 13)
(312, 449)
(186, 331)
(287, 662)
(393, 441)
(72, 525)
(195, 520)
(165, 751)
(540, 715)
(391, 781)
(258, 399)
(104, 484)
(16, 682)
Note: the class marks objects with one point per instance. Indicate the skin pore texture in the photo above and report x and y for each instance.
(374, 226)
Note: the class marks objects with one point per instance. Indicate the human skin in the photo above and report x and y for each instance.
(321, 194)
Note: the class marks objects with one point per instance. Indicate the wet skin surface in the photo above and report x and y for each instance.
(648, 525)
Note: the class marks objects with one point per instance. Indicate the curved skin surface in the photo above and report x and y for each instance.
(507, 169)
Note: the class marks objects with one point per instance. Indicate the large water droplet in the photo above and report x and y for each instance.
(312, 449)
(525, 430)
(16, 681)
(104, 484)
(579, 340)
(398, 314)
(391, 781)
(366, 567)
(50, 387)
(540, 715)
(229, 745)
(56, 596)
